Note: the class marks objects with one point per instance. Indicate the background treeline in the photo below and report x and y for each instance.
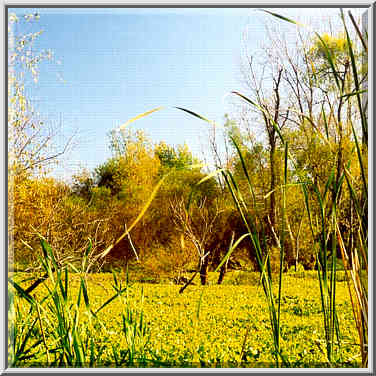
(168, 240)
(100, 203)
(306, 96)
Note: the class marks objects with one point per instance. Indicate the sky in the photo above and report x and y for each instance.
(111, 65)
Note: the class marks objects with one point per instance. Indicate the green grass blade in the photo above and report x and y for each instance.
(230, 250)
(24, 294)
(85, 293)
(116, 283)
(48, 250)
(356, 80)
(330, 59)
(325, 122)
(86, 255)
(282, 241)
(110, 300)
(328, 184)
(353, 195)
(195, 114)
(254, 239)
(282, 17)
(276, 127)
(62, 289)
(348, 95)
(245, 170)
(360, 159)
(199, 305)
(66, 282)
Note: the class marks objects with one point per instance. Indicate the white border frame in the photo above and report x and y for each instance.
(165, 4)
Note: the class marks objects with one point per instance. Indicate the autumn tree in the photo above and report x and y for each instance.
(31, 137)
(311, 102)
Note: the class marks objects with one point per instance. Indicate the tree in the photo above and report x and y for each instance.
(197, 224)
(265, 89)
(311, 99)
(83, 183)
(174, 157)
(30, 137)
(133, 170)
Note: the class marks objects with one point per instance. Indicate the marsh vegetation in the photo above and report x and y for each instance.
(155, 259)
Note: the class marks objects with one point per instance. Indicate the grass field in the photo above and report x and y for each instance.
(152, 325)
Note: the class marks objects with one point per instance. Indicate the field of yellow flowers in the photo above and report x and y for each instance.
(153, 325)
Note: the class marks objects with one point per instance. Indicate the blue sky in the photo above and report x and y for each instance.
(119, 63)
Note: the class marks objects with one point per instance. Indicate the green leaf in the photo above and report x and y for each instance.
(276, 127)
(230, 250)
(282, 17)
(195, 114)
(325, 121)
(21, 291)
(354, 93)
(329, 58)
(110, 300)
(356, 82)
(245, 170)
(89, 248)
(85, 294)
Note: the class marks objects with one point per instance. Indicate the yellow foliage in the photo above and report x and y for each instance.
(34, 203)
(336, 45)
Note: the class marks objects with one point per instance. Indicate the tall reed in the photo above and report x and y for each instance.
(255, 232)
(355, 260)
(68, 336)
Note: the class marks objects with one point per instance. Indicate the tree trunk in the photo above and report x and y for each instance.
(222, 273)
(272, 208)
(204, 271)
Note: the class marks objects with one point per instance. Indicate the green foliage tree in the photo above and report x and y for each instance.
(174, 157)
